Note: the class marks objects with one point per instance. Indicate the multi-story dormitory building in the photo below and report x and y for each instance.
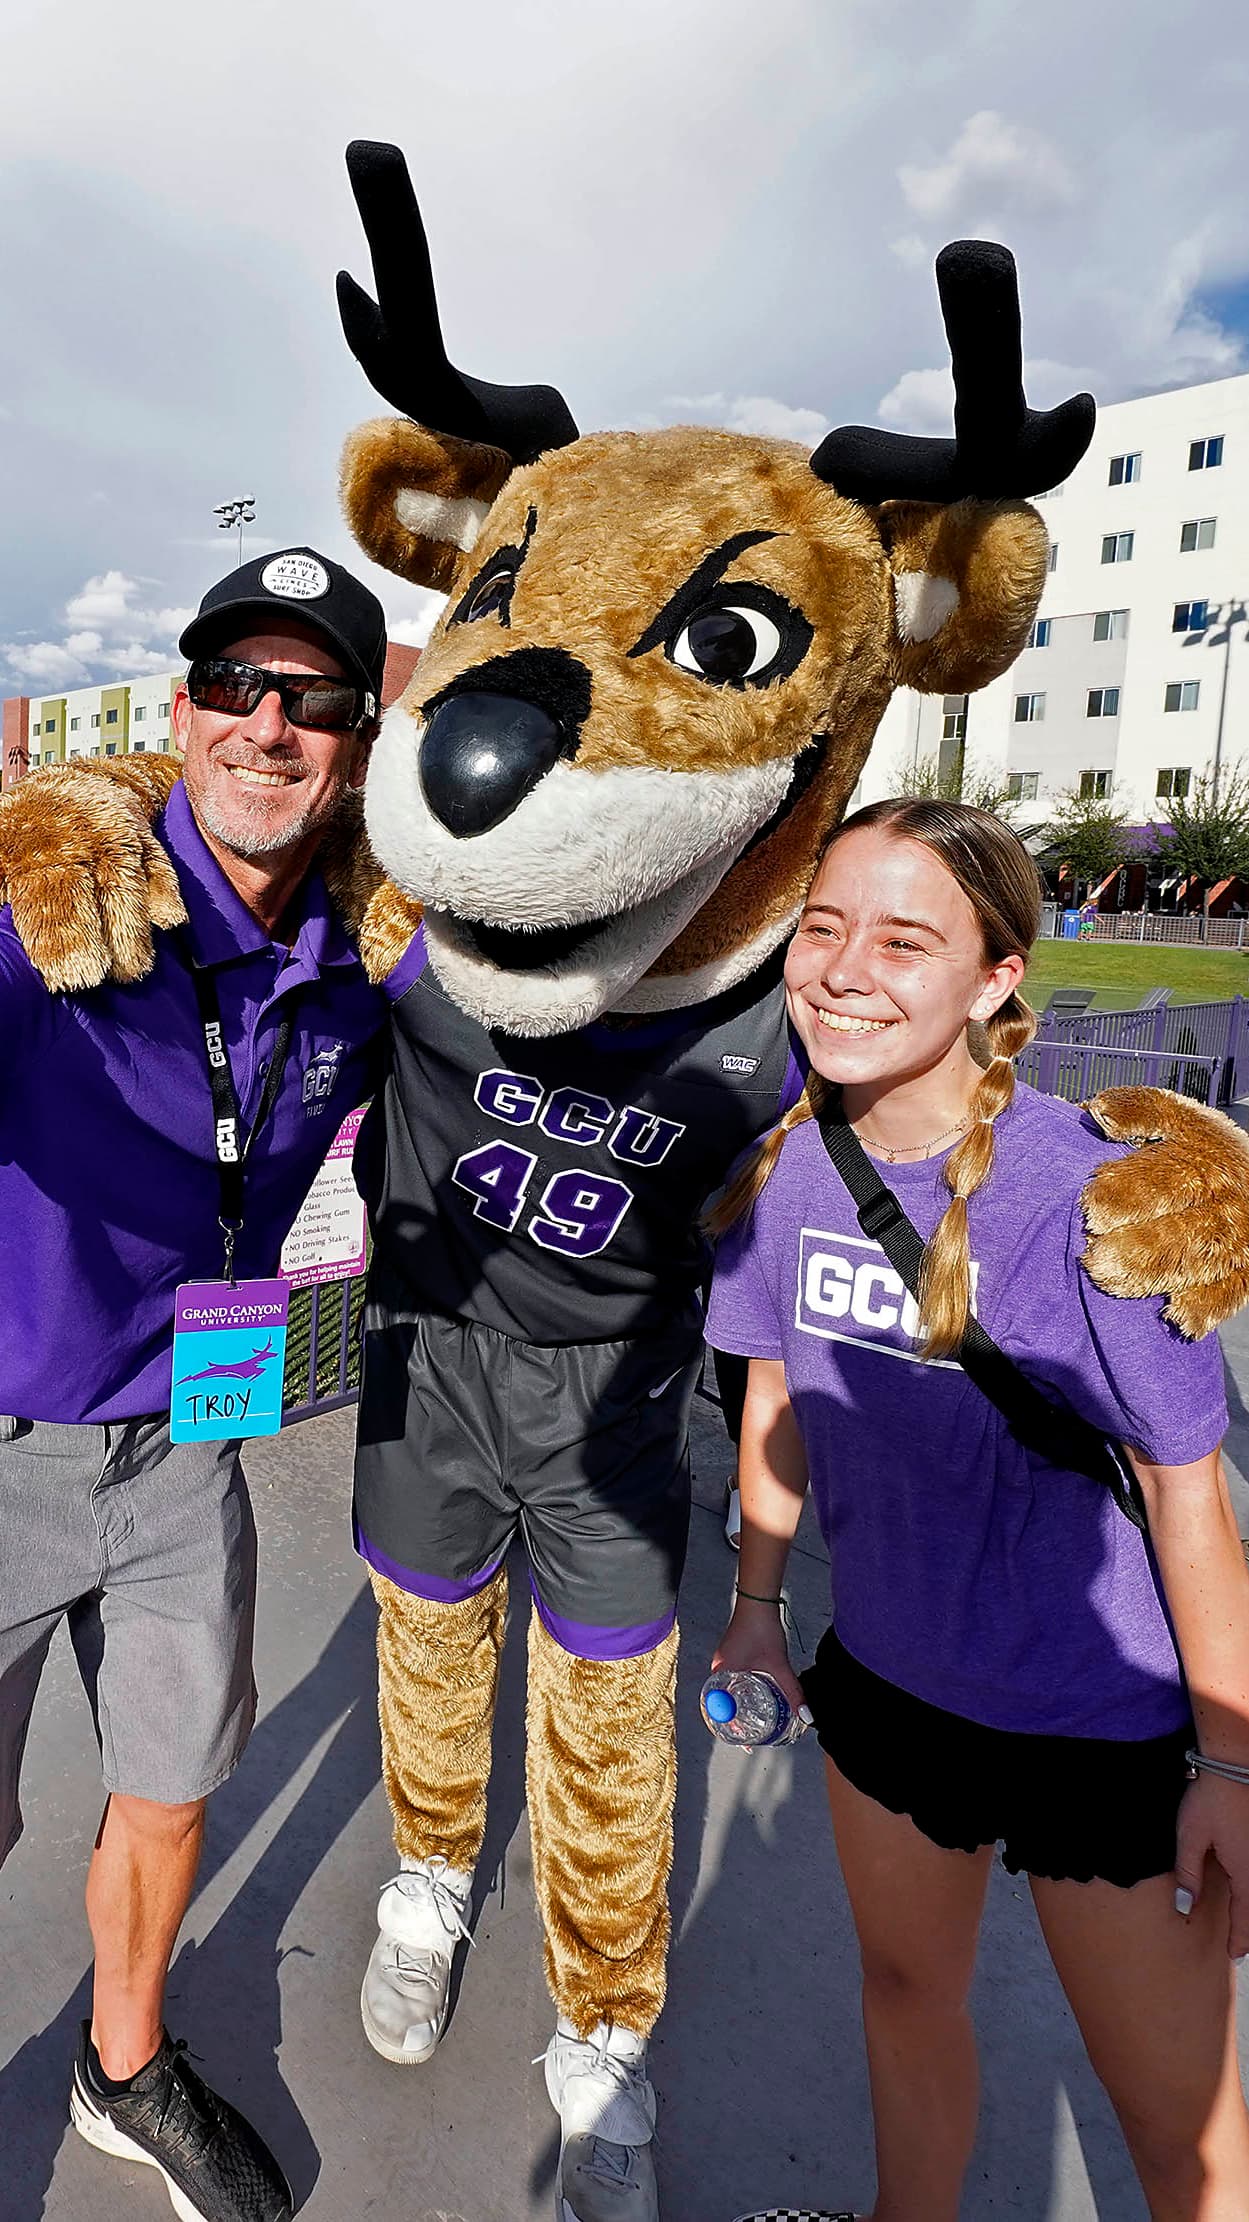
(1137, 675)
(126, 719)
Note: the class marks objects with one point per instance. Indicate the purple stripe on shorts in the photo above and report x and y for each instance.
(586, 1641)
(795, 1080)
(409, 968)
(435, 1587)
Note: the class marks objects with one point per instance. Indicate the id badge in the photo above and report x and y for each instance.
(229, 1358)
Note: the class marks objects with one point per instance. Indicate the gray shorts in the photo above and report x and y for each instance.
(148, 1549)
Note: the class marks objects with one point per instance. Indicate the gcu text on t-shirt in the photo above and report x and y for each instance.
(964, 1568)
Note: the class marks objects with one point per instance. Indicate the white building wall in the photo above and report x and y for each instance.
(1144, 738)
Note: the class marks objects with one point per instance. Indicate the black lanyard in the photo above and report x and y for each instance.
(233, 1148)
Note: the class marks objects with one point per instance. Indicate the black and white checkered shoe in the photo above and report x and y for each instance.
(796, 2214)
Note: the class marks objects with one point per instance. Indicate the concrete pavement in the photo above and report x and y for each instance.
(758, 2060)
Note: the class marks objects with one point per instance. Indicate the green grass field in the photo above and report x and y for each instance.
(1121, 972)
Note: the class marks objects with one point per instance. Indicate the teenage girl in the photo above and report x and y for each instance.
(1011, 1661)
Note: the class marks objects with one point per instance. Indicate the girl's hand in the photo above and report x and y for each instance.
(1214, 1824)
(754, 1643)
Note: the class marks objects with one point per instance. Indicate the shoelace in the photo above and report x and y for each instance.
(609, 2160)
(416, 1883)
(203, 2113)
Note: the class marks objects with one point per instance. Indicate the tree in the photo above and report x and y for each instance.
(1089, 834)
(1208, 838)
(984, 786)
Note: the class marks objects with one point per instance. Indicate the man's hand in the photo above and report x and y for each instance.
(85, 876)
(1173, 1219)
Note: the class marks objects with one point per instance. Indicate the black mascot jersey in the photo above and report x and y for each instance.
(550, 1188)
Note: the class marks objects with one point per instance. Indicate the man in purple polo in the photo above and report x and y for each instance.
(116, 1174)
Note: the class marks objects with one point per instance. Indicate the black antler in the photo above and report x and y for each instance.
(397, 339)
(1001, 448)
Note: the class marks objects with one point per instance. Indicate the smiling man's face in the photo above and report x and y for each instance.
(259, 785)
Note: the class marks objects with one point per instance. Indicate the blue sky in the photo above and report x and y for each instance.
(673, 208)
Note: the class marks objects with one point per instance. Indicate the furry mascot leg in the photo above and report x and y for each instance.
(438, 1672)
(601, 1769)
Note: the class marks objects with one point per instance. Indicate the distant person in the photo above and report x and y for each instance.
(114, 1186)
(1011, 1660)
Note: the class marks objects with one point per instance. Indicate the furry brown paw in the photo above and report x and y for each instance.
(1172, 1219)
(85, 876)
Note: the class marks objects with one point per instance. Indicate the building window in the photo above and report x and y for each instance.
(1190, 617)
(1029, 709)
(95, 717)
(1117, 547)
(137, 747)
(1125, 469)
(164, 710)
(953, 717)
(1094, 786)
(1052, 560)
(1103, 702)
(1110, 625)
(1039, 637)
(1173, 785)
(1022, 786)
(1205, 455)
(34, 731)
(139, 713)
(1197, 533)
(110, 748)
(110, 717)
(74, 724)
(49, 725)
(1182, 694)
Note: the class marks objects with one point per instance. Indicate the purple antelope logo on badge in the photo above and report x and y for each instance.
(229, 1358)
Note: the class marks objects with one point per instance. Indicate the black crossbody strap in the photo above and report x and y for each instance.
(1054, 1433)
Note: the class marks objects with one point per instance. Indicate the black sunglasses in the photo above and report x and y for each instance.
(235, 689)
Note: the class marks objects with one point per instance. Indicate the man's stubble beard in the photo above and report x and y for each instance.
(258, 841)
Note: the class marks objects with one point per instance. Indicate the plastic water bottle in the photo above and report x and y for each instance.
(749, 1710)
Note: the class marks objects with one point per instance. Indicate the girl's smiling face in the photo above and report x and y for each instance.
(888, 963)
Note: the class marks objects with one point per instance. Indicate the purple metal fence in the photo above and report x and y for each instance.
(1211, 1032)
(1078, 1070)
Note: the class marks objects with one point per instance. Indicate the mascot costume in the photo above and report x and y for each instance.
(657, 678)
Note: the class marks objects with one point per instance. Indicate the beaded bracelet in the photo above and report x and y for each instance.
(1197, 1763)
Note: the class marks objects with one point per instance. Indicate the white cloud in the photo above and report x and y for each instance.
(45, 663)
(108, 631)
(992, 165)
(413, 630)
(923, 400)
(760, 414)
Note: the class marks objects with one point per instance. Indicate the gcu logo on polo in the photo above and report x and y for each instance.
(321, 1075)
(213, 1042)
(848, 1292)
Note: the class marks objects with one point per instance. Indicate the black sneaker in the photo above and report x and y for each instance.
(216, 2167)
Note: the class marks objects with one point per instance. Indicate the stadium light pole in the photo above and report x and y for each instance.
(231, 516)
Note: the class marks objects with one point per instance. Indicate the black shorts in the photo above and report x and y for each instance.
(468, 1438)
(1068, 1808)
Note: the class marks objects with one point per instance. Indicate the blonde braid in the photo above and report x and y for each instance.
(945, 1279)
(743, 1192)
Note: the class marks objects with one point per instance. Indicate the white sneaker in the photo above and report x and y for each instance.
(599, 2088)
(733, 1516)
(421, 1916)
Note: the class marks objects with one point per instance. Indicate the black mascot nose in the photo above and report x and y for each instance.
(496, 730)
(481, 755)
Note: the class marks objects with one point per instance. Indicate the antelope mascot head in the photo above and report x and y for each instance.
(665, 654)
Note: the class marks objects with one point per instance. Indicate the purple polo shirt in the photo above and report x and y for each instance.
(108, 1181)
(965, 1569)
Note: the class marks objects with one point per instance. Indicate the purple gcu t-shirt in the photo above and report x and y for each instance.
(964, 1569)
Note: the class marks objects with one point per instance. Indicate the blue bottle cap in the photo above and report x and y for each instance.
(720, 1706)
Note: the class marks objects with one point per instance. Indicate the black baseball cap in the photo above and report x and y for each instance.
(295, 584)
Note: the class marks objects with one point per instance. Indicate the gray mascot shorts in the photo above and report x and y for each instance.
(468, 1438)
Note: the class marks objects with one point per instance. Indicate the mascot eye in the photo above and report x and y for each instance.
(492, 596)
(727, 644)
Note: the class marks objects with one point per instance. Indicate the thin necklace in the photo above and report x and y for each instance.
(910, 1149)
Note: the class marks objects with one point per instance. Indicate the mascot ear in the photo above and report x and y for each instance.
(416, 500)
(967, 579)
